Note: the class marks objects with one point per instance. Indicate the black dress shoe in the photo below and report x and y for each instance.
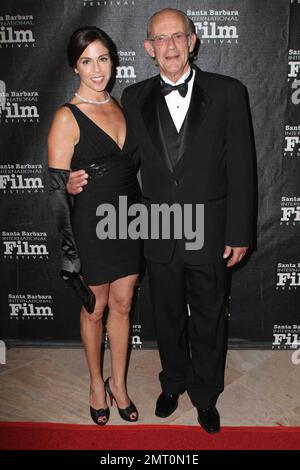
(209, 419)
(166, 404)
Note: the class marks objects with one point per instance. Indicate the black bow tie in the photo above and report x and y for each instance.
(182, 88)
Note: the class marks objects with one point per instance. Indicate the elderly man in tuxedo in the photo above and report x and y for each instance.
(195, 147)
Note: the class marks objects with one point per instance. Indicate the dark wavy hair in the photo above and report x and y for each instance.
(83, 37)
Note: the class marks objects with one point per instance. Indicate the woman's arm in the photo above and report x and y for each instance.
(63, 136)
(61, 140)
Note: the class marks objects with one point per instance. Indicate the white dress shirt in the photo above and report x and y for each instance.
(178, 105)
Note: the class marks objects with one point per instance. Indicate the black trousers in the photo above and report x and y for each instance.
(192, 348)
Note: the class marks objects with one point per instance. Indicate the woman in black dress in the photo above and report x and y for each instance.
(90, 132)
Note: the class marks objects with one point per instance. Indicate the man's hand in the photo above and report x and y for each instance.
(238, 253)
(76, 181)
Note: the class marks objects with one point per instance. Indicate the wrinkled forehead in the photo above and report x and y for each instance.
(167, 23)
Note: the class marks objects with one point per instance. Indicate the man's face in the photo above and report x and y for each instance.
(170, 48)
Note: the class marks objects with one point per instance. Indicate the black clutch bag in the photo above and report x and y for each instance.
(81, 289)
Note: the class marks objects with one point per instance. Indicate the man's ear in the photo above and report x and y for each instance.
(149, 48)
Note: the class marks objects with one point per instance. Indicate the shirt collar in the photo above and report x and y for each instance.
(181, 80)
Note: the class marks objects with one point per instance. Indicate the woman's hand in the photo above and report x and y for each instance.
(77, 180)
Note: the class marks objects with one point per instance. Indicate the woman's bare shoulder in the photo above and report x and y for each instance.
(63, 115)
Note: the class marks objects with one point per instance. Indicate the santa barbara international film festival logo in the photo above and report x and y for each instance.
(16, 31)
(18, 106)
(21, 178)
(24, 245)
(290, 210)
(292, 141)
(126, 71)
(294, 75)
(288, 276)
(286, 337)
(216, 26)
(30, 307)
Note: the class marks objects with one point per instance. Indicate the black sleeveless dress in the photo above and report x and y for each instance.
(112, 174)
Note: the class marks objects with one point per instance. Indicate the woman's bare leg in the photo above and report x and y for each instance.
(91, 334)
(119, 302)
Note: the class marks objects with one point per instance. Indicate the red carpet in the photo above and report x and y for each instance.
(49, 436)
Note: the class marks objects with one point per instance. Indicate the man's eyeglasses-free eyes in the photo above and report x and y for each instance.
(162, 39)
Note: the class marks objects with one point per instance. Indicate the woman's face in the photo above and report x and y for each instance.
(94, 67)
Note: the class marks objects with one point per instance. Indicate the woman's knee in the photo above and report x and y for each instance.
(120, 304)
(97, 314)
(101, 293)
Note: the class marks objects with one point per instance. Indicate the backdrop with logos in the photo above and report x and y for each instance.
(255, 41)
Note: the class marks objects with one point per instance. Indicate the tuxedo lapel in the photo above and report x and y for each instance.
(160, 104)
(149, 114)
(198, 108)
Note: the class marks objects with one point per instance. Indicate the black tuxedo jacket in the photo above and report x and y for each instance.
(215, 165)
